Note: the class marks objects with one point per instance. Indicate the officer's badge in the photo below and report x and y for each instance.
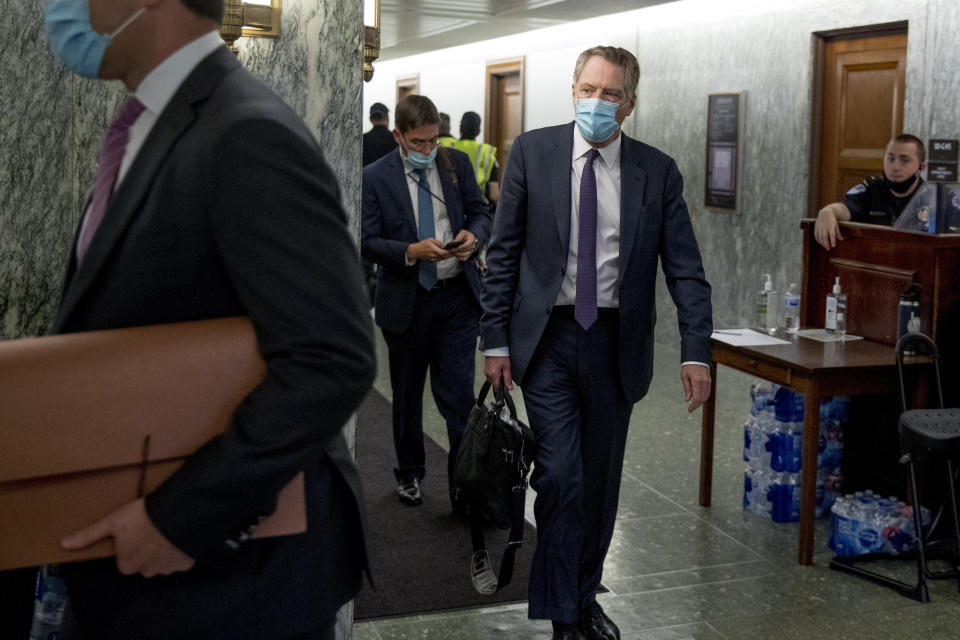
(860, 188)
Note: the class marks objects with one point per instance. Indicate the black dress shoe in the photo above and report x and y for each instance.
(409, 492)
(595, 625)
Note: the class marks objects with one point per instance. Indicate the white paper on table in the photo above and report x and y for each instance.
(822, 335)
(746, 338)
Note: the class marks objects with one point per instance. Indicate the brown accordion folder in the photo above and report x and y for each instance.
(90, 421)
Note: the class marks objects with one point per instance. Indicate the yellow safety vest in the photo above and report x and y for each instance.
(447, 141)
(483, 156)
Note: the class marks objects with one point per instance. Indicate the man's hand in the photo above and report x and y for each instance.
(826, 231)
(467, 248)
(696, 385)
(495, 367)
(429, 249)
(141, 548)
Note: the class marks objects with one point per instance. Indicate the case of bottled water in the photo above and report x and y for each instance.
(866, 523)
(773, 452)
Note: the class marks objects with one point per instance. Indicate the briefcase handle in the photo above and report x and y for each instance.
(501, 397)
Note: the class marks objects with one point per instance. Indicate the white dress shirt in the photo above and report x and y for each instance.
(606, 167)
(442, 230)
(156, 90)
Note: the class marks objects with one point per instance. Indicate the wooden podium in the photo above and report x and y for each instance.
(875, 265)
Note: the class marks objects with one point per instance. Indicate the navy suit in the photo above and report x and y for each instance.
(579, 386)
(423, 329)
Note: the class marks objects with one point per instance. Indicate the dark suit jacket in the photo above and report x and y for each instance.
(527, 257)
(229, 209)
(389, 228)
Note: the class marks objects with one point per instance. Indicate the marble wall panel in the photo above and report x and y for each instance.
(52, 125)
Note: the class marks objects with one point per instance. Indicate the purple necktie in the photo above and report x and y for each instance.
(114, 146)
(585, 310)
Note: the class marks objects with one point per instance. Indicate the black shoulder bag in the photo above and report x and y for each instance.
(491, 475)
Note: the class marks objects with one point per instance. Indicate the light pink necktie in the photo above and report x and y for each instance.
(114, 146)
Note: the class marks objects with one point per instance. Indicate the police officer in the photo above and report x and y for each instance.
(482, 155)
(378, 142)
(878, 199)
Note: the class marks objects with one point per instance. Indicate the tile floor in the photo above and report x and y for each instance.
(678, 571)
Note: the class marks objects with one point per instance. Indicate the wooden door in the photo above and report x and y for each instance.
(504, 107)
(408, 85)
(862, 109)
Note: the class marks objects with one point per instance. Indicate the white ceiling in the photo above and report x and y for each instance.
(408, 27)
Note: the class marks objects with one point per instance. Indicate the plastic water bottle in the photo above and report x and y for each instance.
(50, 602)
(785, 498)
(870, 532)
(756, 490)
(843, 527)
(791, 308)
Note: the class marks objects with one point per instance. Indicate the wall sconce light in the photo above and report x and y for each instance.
(255, 19)
(371, 36)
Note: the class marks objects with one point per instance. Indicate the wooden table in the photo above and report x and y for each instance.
(812, 368)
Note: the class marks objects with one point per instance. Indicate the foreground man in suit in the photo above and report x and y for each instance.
(219, 204)
(423, 221)
(569, 307)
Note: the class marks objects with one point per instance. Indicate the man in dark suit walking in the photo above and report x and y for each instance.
(424, 220)
(569, 309)
(212, 199)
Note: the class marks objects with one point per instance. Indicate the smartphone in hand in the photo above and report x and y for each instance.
(453, 245)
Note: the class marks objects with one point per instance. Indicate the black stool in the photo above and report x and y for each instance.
(925, 434)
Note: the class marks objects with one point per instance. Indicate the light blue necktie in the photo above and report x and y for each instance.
(428, 269)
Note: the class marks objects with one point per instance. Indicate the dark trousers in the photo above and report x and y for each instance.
(442, 337)
(579, 414)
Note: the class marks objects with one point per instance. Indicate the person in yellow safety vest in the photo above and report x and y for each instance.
(445, 139)
(482, 155)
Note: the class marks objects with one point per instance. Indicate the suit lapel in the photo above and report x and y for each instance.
(633, 180)
(397, 179)
(560, 159)
(127, 201)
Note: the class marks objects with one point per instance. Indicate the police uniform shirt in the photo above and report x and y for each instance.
(377, 143)
(872, 202)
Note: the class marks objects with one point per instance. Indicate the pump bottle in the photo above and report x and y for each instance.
(767, 305)
(835, 320)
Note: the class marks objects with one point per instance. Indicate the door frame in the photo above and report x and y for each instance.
(409, 84)
(820, 40)
(494, 69)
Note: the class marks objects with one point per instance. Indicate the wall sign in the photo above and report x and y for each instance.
(942, 160)
(724, 113)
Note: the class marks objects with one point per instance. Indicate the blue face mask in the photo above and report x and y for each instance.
(79, 47)
(596, 118)
(418, 160)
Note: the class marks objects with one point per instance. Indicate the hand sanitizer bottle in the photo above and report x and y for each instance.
(764, 301)
(830, 320)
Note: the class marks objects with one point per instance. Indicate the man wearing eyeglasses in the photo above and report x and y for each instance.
(424, 220)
